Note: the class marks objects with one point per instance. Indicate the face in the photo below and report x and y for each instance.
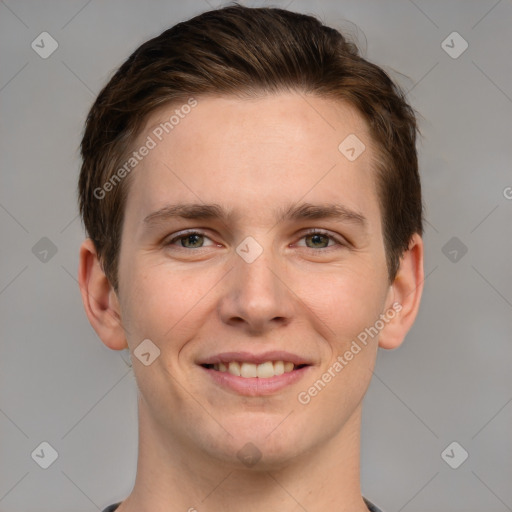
(256, 277)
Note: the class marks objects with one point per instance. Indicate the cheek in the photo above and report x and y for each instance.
(162, 301)
(349, 305)
(345, 300)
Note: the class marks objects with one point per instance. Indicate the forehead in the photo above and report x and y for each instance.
(254, 153)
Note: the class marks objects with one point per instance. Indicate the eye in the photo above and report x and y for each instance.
(189, 240)
(319, 238)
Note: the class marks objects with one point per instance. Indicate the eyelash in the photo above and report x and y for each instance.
(310, 232)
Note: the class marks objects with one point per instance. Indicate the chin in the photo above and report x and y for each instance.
(263, 445)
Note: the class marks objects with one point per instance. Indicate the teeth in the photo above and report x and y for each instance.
(278, 368)
(234, 368)
(263, 371)
(248, 370)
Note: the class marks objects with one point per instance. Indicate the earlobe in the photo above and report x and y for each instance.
(99, 298)
(406, 290)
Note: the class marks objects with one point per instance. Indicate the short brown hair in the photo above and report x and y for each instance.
(245, 52)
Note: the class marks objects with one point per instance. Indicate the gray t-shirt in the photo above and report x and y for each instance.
(370, 505)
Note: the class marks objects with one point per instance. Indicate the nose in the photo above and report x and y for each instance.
(256, 296)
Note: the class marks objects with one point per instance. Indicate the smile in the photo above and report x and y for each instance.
(265, 370)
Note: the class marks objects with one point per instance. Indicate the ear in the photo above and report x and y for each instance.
(405, 293)
(100, 300)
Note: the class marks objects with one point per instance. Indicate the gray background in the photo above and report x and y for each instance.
(450, 381)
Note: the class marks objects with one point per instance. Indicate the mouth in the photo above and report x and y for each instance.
(247, 370)
(251, 375)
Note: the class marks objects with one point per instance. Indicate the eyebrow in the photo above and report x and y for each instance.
(292, 212)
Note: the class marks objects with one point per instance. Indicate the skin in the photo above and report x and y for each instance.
(305, 295)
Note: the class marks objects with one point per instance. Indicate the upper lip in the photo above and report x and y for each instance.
(249, 357)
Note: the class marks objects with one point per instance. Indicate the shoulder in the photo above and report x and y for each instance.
(111, 508)
(370, 505)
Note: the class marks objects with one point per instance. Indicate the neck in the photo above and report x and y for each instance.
(172, 477)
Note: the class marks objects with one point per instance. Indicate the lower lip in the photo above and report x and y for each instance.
(256, 386)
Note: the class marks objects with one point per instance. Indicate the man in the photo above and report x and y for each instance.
(251, 194)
